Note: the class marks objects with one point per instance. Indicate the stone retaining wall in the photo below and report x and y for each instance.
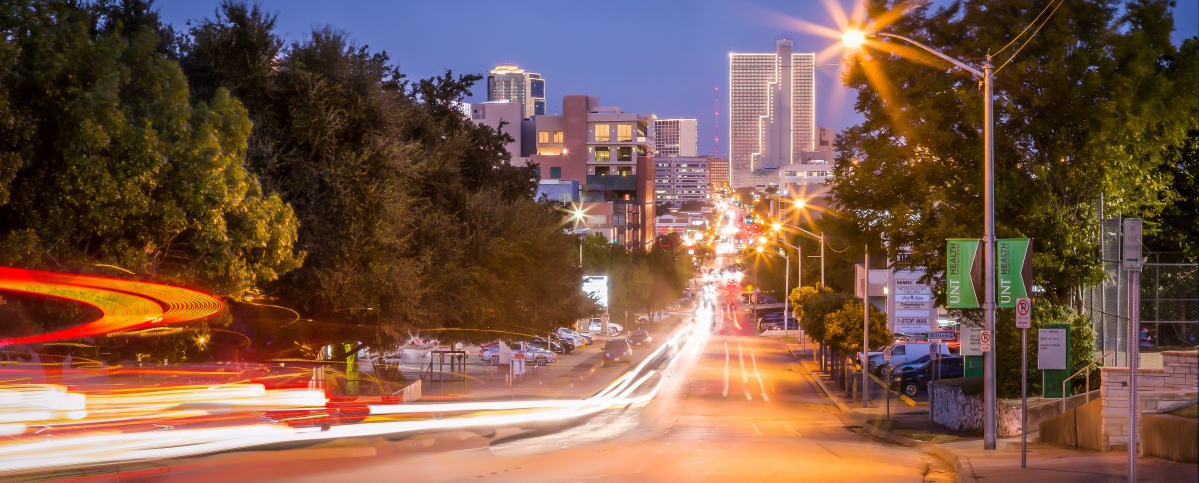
(1175, 385)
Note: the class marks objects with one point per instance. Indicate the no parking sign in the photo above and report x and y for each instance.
(1023, 313)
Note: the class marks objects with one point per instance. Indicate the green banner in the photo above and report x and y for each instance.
(963, 273)
(1015, 270)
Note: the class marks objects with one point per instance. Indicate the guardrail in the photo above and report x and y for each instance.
(1086, 370)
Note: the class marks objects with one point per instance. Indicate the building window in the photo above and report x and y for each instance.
(557, 137)
(602, 171)
(602, 155)
(624, 153)
(603, 133)
(624, 171)
(624, 133)
(543, 137)
(555, 173)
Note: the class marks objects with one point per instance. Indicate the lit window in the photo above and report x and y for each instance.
(603, 133)
(557, 137)
(603, 154)
(624, 153)
(624, 133)
(543, 137)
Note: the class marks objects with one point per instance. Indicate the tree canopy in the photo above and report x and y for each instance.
(1097, 103)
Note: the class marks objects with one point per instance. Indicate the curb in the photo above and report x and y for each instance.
(836, 400)
(949, 457)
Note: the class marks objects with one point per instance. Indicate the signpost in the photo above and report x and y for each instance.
(1023, 322)
(1131, 255)
(984, 341)
(911, 307)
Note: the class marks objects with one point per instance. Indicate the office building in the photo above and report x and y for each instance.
(771, 113)
(506, 117)
(511, 83)
(607, 152)
(675, 137)
(679, 179)
(718, 173)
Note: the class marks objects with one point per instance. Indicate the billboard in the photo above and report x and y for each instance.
(596, 287)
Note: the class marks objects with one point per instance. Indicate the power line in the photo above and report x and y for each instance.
(1030, 37)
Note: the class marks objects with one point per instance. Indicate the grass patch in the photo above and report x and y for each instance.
(1191, 411)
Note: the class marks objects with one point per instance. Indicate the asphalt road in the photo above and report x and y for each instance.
(736, 407)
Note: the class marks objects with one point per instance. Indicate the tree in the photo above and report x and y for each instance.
(843, 330)
(1086, 107)
(812, 305)
(107, 162)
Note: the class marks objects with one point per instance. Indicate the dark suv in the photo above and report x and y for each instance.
(912, 382)
(618, 350)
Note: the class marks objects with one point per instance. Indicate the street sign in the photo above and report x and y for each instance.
(932, 349)
(984, 341)
(1132, 244)
(1051, 349)
(942, 336)
(887, 356)
(1023, 313)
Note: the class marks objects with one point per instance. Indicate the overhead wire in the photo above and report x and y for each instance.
(1030, 37)
(1021, 34)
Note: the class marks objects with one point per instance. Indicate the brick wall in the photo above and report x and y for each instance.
(1175, 385)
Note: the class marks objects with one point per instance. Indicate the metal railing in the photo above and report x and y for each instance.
(1087, 371)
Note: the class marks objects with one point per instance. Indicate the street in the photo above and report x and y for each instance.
(734, 408)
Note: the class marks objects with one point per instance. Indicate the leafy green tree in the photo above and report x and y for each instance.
(843, 330)
(812, 306)
(1091, 105)
(109, 163)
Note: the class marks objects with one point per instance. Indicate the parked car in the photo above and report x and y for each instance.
(615, 328)
(576, 339)
(617, 350)
(915, 365)
(533, 355)
(595, 326)
(777, 324)
(913, 382)
(556, 346)
(640, 337)
(905, 352)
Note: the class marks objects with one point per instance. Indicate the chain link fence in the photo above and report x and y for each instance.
(1169, 304)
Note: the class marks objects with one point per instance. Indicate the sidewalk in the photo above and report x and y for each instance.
(910, 426)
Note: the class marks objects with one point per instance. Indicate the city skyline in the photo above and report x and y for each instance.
(689, 83)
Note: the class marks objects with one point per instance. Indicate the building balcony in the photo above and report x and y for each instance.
(612, 182)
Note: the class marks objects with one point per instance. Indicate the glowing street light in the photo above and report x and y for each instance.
(853, 39)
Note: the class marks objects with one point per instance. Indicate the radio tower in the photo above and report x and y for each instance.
(716, 121)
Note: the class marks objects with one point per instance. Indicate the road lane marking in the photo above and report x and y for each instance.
(726, 368)
(744, 374)
(757, 374)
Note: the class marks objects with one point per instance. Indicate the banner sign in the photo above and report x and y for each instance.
(963, 273)
(1015, 270)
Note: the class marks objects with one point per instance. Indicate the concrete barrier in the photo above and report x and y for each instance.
(1078, 428)
(1175, 438)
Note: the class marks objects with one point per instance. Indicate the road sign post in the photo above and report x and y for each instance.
(1131, 254)
(984, 341)
(1023, 322)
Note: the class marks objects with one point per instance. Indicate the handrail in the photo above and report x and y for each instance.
(1087, 370)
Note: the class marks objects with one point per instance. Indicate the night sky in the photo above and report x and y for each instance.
(655, 57)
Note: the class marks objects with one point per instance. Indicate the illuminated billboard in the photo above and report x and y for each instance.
(596, 287)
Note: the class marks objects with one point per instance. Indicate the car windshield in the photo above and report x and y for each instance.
(615, 344)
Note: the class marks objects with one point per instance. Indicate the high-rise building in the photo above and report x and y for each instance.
(718, 173)
(679, 179)
(505, 116)
(675, 137)
(771, 113)
(508, 82)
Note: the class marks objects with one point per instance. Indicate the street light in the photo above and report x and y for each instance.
(854, 38)
(810, 234)
(786, 284)
(579, 216)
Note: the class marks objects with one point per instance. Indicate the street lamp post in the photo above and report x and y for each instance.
(855, 38)
(813, 235)
(580, 217)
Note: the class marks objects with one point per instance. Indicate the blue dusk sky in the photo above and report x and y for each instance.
(667, 58)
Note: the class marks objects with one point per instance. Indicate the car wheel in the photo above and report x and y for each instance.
(911, 388)
(878, 371)
(541, 361)
(495, 360)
